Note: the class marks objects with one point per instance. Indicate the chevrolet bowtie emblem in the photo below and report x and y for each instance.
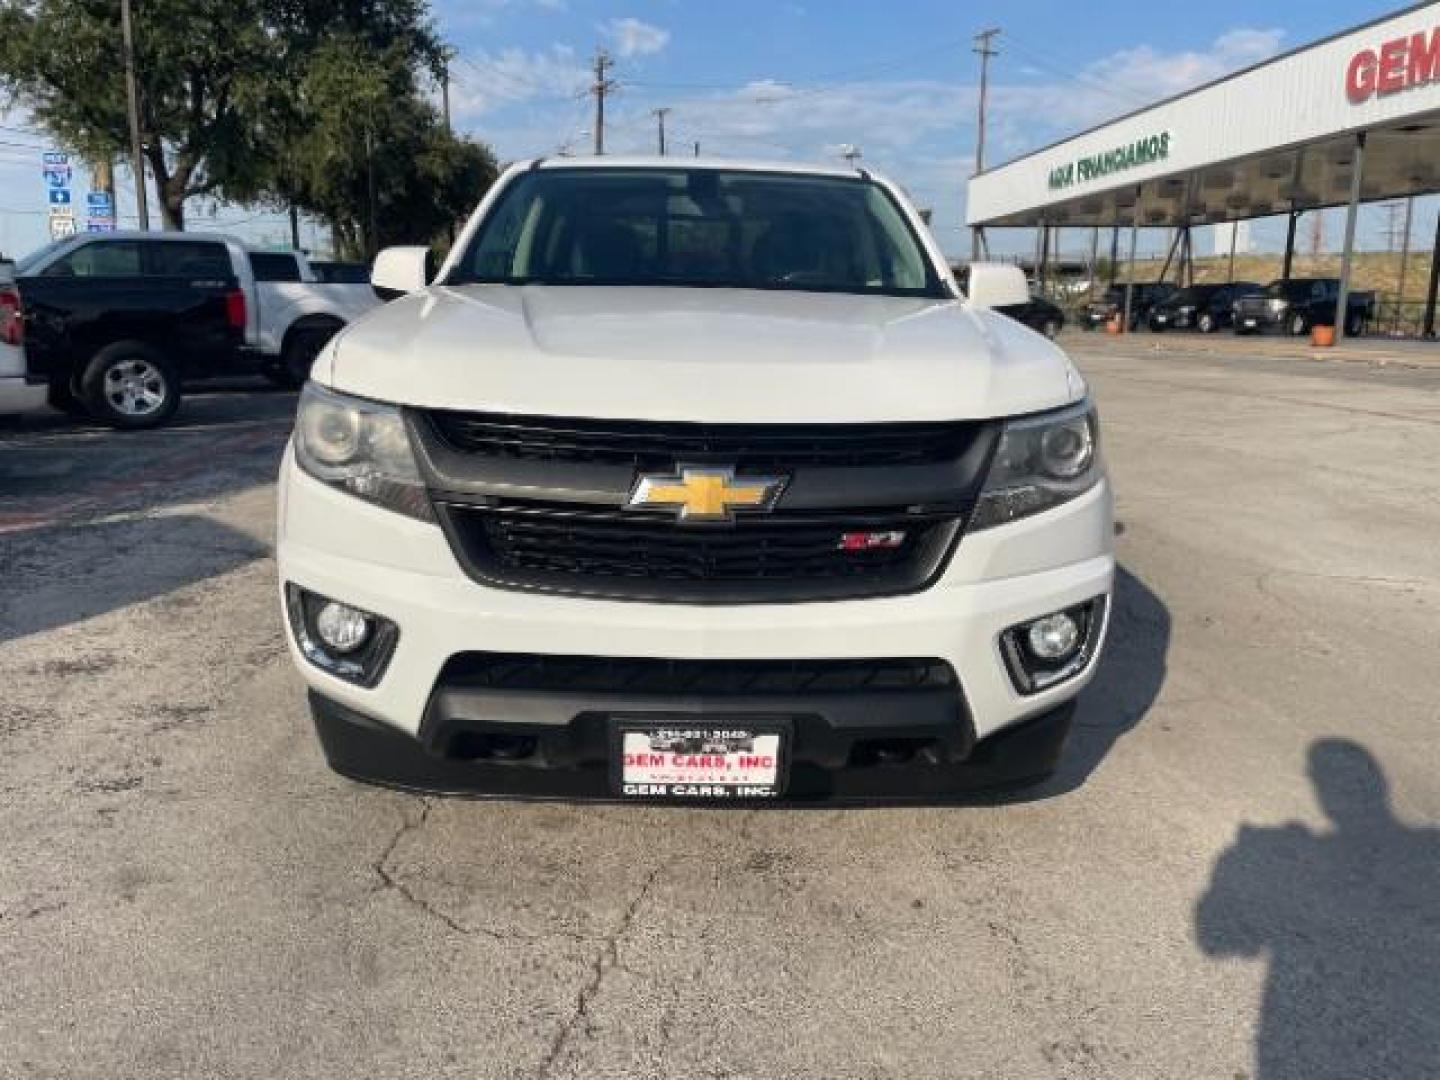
(705, 493)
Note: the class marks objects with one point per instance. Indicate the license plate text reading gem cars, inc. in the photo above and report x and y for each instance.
(683, 762)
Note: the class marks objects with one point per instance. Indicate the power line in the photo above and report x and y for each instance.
(1076, 73)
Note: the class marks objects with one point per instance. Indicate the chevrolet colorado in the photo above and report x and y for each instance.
(697, 482)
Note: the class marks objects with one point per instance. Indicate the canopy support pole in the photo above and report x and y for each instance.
(1130, 275)
(1094, 258)
(1342, 302)
(1294, 216)
(1434, 283)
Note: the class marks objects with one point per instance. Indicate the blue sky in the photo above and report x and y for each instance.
(799, 79)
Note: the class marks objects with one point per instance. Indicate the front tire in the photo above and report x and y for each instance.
(130, 386)
(1207, 324)
(301, 349)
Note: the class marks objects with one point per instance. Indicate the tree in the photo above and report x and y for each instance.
(364, 126)
(251, 101)
(201, 65)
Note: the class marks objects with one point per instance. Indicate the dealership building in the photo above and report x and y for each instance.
(1352, 119)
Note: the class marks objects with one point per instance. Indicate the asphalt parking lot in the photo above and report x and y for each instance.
(1235, 874)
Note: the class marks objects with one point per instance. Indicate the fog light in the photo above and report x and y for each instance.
(342, 628)
(1047, 651)
(1052, 638)
(344, 641)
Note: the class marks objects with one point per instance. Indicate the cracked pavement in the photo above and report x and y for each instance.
(186, 891)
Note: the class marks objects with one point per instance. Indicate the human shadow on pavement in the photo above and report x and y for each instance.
(1349, 920)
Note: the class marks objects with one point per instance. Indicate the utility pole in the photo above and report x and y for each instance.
(601, 87)
(372, 241)
(697, 147)
(132, 109)
(851, 153)
(1317, 231)
(445, 57)
(983, 50)
(660, 115)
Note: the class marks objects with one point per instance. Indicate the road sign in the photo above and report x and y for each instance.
(54, 157)
(62, 211)
(61, 227)
(97, 225)
(100, 202)
(59, 196)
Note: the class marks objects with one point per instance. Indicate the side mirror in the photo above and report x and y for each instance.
(400, 270)
(994, 285)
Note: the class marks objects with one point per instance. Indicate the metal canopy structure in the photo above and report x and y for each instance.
(1399, 161)
(1350, 119)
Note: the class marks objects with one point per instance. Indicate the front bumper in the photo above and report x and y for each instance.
(404, 570)
(830, 763)
(1260, 322)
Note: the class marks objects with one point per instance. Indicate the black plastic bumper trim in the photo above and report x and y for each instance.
(370, 751)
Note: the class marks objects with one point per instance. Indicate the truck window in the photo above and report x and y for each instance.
(189, 258)
(274, 266)
(338, 273)
(103, 258)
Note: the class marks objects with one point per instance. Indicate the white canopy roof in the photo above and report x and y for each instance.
(1275, 137)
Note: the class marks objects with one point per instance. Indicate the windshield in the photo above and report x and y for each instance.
(703, 228)
(27, 265)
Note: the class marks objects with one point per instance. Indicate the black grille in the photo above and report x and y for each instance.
(647, 445)
(761, 559)
(636, 676)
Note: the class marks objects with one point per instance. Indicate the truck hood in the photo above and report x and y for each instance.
(713, 355)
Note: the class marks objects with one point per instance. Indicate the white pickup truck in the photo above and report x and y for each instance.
(112, 326)
(299, 312)
(698, 481)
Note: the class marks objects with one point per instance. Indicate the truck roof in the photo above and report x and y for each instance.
(652, 161)
(141, 234)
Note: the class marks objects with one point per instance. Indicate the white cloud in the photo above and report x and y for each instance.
(484, 82)
(1154, 74)
(632, 37)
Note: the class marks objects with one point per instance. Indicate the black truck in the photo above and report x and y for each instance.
(114, 326)
(1144, 296)
(1295, 305)
(1206, 308)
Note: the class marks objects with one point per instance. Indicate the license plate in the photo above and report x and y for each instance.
(1162, 318)
(1249, 322)
(681, 760)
